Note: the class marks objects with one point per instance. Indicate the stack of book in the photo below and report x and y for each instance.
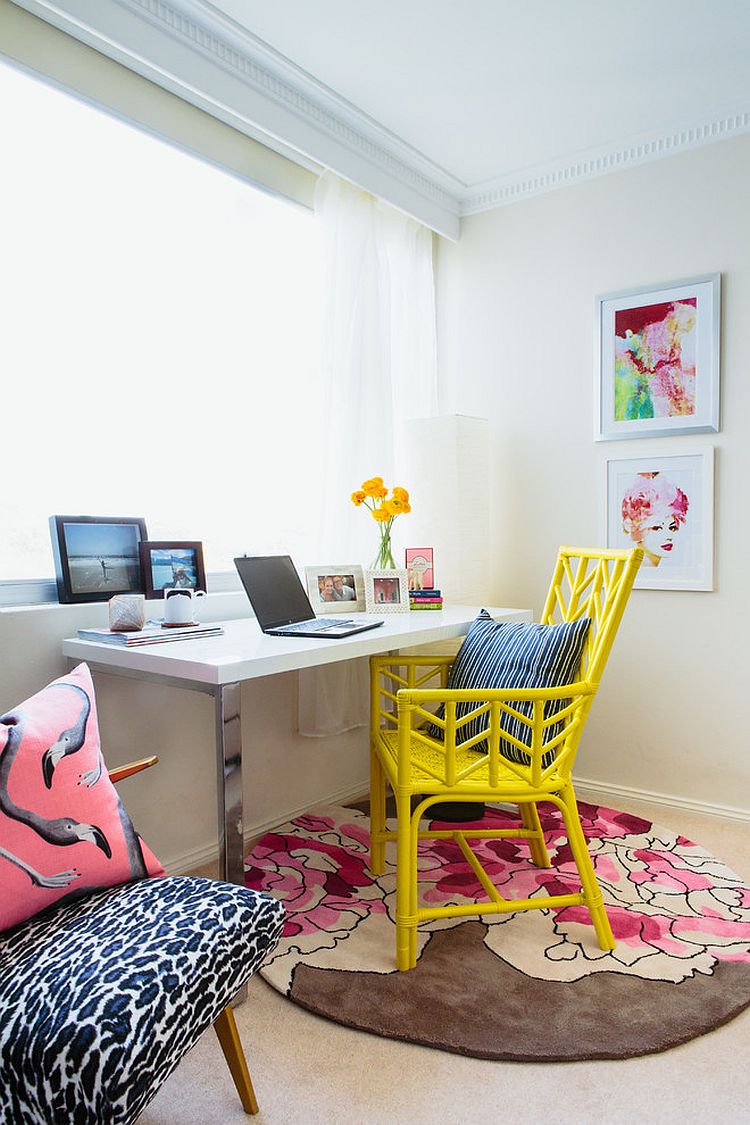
(153, 634)
(425, 599)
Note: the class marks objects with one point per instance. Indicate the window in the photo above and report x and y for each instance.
(159, 351)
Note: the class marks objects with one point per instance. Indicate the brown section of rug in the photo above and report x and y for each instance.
(461, 997)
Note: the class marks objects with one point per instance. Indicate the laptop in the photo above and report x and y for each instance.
(281, 605)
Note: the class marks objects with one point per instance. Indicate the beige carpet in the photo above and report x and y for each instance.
(307, 1069)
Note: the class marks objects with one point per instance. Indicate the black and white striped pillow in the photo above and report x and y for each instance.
(522, 655)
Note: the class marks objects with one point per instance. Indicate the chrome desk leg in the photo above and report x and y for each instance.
(229, 783)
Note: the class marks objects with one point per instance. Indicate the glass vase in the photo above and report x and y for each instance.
(384, 559)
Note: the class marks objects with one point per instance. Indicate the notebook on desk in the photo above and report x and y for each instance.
(281, 605)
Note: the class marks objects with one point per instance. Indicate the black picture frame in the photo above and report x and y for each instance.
(159, 554)
(96, 557)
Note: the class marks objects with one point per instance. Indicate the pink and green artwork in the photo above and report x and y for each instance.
(655, 361)
(658, 362)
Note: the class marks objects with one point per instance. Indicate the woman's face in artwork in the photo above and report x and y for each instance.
(658, 538)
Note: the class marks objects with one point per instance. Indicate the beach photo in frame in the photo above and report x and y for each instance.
(664, 504)
(658, 355)
(387, 591)
(336, 588)
(420, 568)
(96, 557)
(172, 563)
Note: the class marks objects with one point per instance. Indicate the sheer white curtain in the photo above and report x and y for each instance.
(379, 369)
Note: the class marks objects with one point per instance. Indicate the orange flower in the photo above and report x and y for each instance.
(382, 515)
(401, 494)
(374, 487)
(395, 506)
(358, 498)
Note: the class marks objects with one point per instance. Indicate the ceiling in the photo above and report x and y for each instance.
(445, 108)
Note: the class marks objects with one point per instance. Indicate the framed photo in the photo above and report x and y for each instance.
(336, 589)
(665, 505)
(387, 591)
(96, 557)
(658, 360)
(165, 563)
(420, 568)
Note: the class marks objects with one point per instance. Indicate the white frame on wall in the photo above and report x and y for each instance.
(693, 473)
(706, 290)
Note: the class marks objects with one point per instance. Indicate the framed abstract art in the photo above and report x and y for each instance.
(658, 360)
(664, 504)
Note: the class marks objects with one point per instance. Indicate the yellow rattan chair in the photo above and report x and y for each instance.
(405, 692)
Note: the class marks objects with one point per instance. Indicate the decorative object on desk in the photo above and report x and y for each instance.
(374, 496)
(665, 505)
(62, 796)
(127, 612)
(681, 917)
(659, 360)
(174, 564)
(180, 605)
(419, 564)
(336, 588)
(386, 591)
(96, 557)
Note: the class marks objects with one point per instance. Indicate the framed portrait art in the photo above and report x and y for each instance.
(658, 360)
(96, 557)
(387, 591)
(338, 588)
(168, 563)
(665, 505)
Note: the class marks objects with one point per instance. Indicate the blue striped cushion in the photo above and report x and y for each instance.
(522, 655)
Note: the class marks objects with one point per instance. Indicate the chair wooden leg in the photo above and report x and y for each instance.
(229, 1038)
(377, 815)
(537, 846)
(591, 890)
(405, 942)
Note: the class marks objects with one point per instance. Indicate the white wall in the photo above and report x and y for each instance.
(173, 805)
(516, 344)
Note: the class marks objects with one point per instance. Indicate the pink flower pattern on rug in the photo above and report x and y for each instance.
(675, 910)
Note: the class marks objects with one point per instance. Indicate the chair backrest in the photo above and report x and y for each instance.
(596, 584)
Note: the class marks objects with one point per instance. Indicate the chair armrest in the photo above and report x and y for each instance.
(120, 772)
(418, 696)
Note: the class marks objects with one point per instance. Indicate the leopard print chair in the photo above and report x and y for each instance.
(101, 998)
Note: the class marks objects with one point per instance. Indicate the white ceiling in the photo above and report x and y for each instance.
(441, 106)
(487, 89)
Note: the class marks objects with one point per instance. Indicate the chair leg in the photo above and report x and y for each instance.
(537, 846)
(405, 921)
(229, 1038)
(377, 815)
(591, 890)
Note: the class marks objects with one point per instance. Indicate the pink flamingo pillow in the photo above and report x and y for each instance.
(63, 830)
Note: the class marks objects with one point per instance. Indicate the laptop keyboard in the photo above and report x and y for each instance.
(316, 625)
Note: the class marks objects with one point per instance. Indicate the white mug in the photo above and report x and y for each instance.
(178, 605)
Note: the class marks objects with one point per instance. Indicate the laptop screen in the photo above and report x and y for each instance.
(274, 589)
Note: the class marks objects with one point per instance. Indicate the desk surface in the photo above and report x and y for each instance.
(245, 653)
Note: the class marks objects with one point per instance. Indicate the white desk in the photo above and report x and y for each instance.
(219, 665)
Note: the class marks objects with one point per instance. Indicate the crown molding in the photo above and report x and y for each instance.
(203, 56)
(601, 161)
(191, 49)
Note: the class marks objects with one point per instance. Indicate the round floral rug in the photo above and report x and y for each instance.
(529, 986)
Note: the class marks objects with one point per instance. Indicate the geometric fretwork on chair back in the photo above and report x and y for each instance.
(480, 743)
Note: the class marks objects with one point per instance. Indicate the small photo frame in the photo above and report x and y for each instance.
(168, 563)
(338, 588)
(387, 591)
(665, 505)
(420, 568)
(96, 557)
(658, 360)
